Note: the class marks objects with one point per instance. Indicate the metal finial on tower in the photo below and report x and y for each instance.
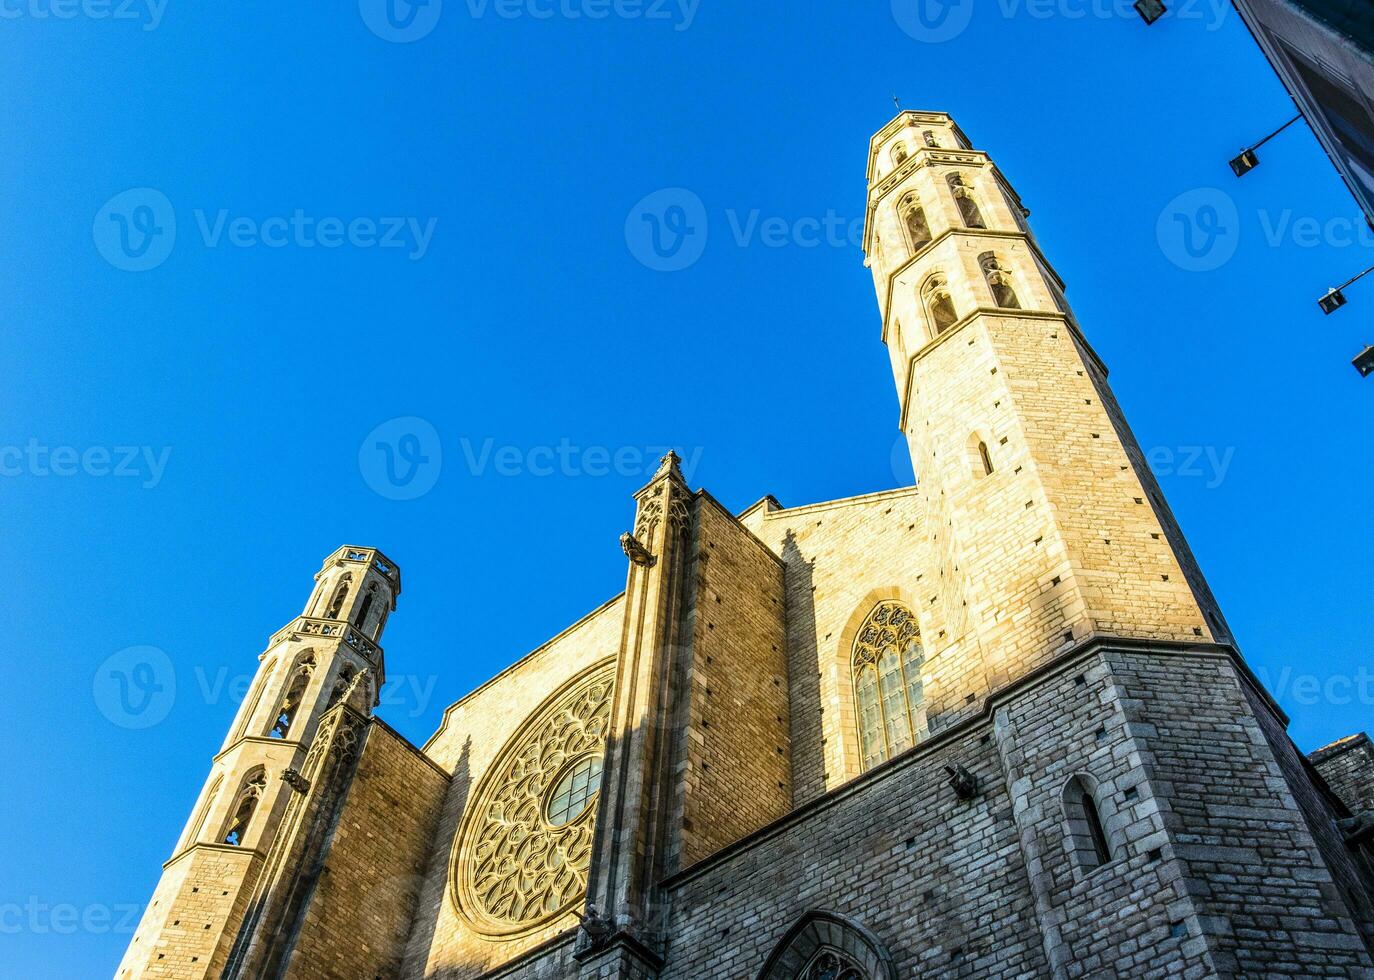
(897, 103)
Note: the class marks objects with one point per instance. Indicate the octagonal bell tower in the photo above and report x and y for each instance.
(330, 653)
(1045, 521)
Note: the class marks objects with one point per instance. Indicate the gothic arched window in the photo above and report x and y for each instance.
(889, 701)
(899, 154)
(366, 606)
(245, 805)
(291, 700)
(197, 824)
(939, 305)
(999, 281)
(822, 945)
(831, 964)
(914, 220)
(963, 197)
(340, 594)
(1088, 841)
(930, 138)
(342, 685)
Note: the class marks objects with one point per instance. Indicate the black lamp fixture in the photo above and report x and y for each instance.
(1364, 362)
(1150, 10)
(1248, 160)
(1335, 296)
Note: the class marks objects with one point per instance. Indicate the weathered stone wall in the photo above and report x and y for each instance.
(442, 944)
(364, 902)
(736, 764)
(842, 558)
(1261, 884)
(938, 880)
(1347, 766)
(189, 925)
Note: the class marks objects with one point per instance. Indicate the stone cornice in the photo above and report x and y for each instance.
(1029, 240)
(313, 627)
(972, 316)
(251, 852)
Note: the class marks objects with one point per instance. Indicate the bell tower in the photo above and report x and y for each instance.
(1046, 524)
(329, 653)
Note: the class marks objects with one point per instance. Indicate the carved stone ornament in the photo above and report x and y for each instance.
(295, 780)
(521, 857)
(635, 551)
(595, 930)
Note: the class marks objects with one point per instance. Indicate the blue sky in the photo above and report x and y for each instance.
(371, 224)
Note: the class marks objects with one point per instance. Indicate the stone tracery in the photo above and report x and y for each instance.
(514, 868)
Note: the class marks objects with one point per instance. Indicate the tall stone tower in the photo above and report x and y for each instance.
(1038, 495)
(329, 653)
(1062, 602)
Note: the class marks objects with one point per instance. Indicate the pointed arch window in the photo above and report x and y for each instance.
(900, 154)
(930, 138)
(245, 806)
(342, 685)
(197, 825)
(939, 305)
(1088, 840)
(999, 281)
(888, 692)
(963, 198)
(914, 220)
(366, 606)
(340, 594)
(823, 945)
(291, 700)
(831, 964)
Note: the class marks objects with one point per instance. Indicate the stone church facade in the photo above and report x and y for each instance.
(993, 725)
